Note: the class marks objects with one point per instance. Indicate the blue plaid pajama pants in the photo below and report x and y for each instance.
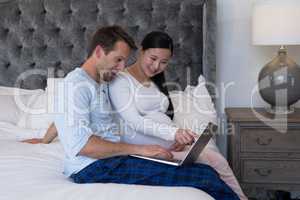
(130, 170)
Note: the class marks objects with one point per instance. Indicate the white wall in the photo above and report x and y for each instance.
(238, 61)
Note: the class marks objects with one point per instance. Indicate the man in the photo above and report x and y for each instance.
(91, 140)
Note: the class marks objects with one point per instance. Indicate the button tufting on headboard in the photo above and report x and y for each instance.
(123, 10)
(6, 30)
(7, 65)
(57, 29)
(53, 34)
(31, 30)
(97, 10)
(44, 47)
(19, 12)
(83, 29)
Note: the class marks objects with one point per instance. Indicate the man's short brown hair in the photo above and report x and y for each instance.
(107, 37)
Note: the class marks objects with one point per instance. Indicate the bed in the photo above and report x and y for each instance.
(34, 172)
(44, 39)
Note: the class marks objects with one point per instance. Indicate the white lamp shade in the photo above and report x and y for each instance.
(276, 22)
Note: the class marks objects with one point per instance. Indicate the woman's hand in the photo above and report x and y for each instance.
(155, 151)
(177, 147)
(33, 141)
(185, 137)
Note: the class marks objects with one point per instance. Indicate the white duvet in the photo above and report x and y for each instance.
(34, 172)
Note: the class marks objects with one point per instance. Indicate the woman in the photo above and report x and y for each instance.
(144, 108)
(142, 102)
(141, 99)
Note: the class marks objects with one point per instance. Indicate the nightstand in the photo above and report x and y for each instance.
(264, 149)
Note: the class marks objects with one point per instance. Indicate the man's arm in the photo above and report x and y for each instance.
(98, 148)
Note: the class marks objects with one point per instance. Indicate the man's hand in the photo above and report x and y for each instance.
(155, 151)
(184, 136)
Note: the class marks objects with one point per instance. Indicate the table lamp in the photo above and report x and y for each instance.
(275, 22)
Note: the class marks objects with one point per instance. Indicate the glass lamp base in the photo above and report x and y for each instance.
(279, 83)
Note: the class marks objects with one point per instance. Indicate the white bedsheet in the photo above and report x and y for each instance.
(34, 172)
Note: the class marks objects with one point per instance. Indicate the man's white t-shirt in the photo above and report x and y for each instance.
(83, 109)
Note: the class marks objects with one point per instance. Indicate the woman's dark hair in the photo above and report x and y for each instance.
(158, 39)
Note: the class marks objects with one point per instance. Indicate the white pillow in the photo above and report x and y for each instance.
(193, 108)
(9, 131)
(12, 103)
(18, 91)
(36, 115)
(41, 107)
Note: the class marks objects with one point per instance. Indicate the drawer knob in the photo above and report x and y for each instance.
(263, 172)
(263, 142)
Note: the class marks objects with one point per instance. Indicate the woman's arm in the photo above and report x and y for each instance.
(50, 135)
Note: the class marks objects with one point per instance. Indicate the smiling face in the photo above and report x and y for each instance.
(154, 60)
(108, 65)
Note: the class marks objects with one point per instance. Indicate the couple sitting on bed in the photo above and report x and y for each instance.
(87, 129)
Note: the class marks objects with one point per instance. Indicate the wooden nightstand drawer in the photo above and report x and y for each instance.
(270, 171)
(262, 157)
(266, 139)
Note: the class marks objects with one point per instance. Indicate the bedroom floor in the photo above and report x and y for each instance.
(276, 195)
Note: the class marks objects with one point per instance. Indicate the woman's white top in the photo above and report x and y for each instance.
(141, 109)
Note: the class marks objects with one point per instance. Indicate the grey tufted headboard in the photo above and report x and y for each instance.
(48, 38)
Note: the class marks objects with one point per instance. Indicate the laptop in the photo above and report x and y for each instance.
(193, 152)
